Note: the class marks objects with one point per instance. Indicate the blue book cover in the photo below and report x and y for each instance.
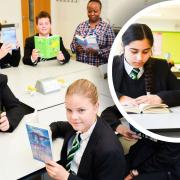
(40, 141)
(8, 35)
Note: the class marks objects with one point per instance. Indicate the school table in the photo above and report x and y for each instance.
(19, 78)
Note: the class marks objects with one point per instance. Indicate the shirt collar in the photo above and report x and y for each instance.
(129, 68)
(88, 133)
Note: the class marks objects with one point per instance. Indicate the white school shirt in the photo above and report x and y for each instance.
(129, 68)
(79, 153)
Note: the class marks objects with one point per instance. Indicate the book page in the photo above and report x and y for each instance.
(154, 108)
(92, 42)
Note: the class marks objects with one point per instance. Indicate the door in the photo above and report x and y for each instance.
(30, 9)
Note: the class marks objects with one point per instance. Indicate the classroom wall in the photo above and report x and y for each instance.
(66, 16)
(10, 12)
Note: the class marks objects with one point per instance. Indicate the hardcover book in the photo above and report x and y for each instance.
(147, 108)
(40, 141)
(47, 47)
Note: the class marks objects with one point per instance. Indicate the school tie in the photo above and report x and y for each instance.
(73, 150)
(134, 73)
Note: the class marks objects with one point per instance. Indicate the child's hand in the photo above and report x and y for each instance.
(35, 55)
(56, 171)
(4, 123)
(60, 56)
(5, 49)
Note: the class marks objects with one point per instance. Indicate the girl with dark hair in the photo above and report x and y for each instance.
(139, 78)
(153, 82)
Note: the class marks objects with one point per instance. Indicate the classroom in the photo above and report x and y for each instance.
(43, 86)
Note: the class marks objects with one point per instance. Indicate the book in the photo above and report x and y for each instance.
(147, 108)
(47, 47)
(8, 35)
(87, 42)
(40, 141)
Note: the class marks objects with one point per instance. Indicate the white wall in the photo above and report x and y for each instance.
(66, 16)
(10, 12)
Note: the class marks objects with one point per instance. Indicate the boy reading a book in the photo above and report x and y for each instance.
(90, 150)
(8, 55)
(32, 55)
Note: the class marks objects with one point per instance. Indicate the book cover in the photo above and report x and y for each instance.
(87, 42)
(147, 108)
(40, 141)
(47, 47)
(8, 35)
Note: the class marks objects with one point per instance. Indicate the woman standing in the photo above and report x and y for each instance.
(97, 28)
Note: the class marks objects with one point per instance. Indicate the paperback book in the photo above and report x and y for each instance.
(8, 35)
(40, 141)
(147, 108)
(87, 42)
(47, 47)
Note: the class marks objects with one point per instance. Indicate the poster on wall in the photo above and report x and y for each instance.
(157, 48)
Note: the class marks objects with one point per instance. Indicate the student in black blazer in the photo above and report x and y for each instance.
(152, 159)
(154, 84)
(8, 56)
(100, 156)
(31, 55)
(12, 110)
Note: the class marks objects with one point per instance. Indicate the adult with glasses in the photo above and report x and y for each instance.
(32, 55)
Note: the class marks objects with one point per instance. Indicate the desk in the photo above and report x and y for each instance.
(15, 152)
(22, 76)
(176, 71)
(164, 124)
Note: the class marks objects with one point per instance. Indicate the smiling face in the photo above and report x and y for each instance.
(93, 11)
(81, 112)
(137, 52)
(44, 26)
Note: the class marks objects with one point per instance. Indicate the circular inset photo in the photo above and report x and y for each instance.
(144, 73)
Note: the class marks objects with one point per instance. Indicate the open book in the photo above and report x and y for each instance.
(87, 42)
(47, 47)
(8, 35)
(147, 108)
(40, 141)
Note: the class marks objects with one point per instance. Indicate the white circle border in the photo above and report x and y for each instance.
(110, 81)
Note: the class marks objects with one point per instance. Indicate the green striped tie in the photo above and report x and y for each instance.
(134, 73)
(72, 152)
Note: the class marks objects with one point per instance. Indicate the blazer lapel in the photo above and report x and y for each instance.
(86, 160)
